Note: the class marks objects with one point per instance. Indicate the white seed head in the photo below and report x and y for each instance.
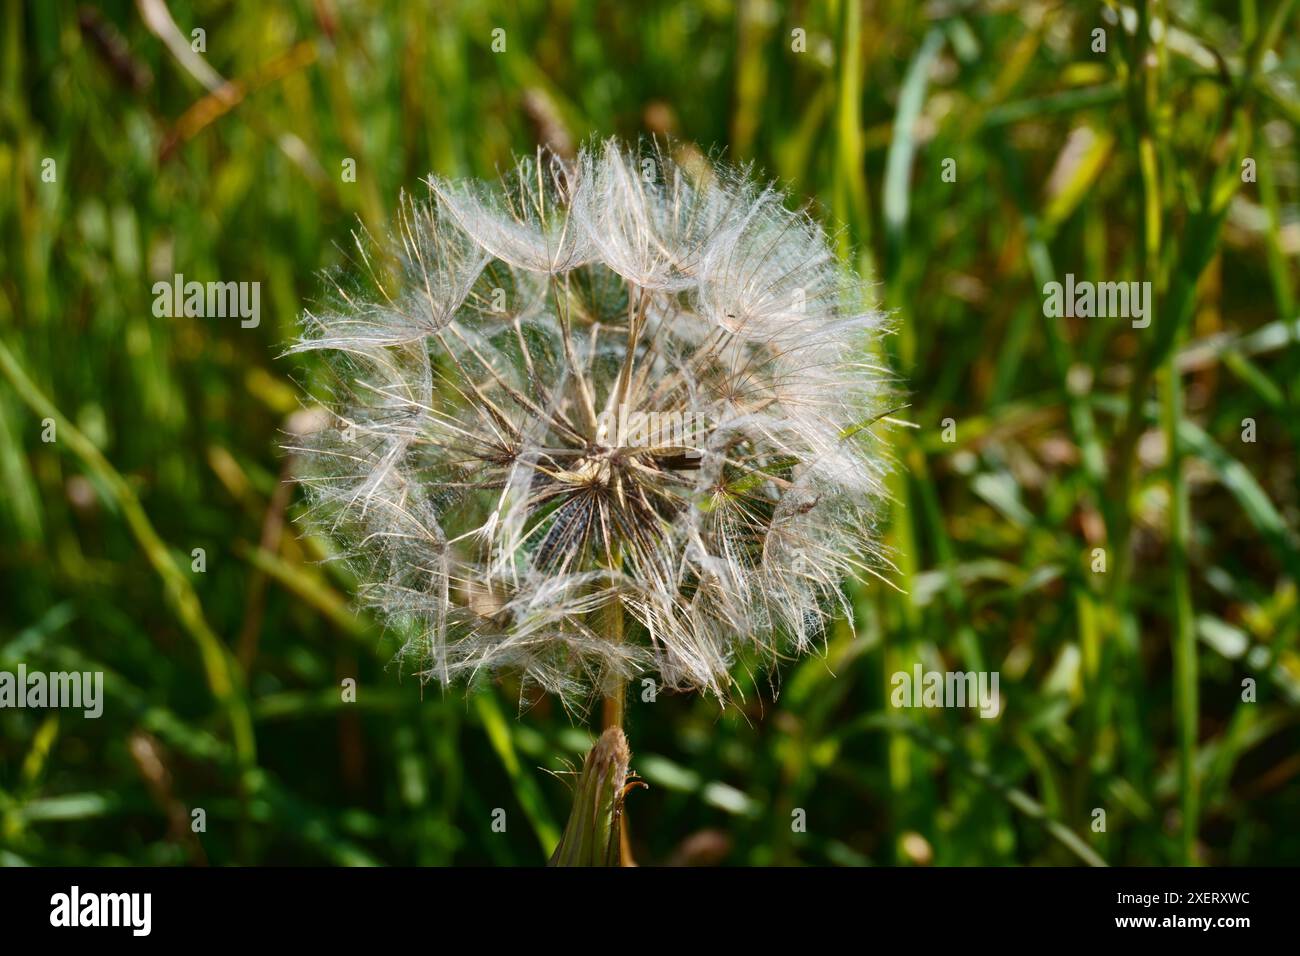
(617, 384)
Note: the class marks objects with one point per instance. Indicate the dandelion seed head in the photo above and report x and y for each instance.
(612, 382)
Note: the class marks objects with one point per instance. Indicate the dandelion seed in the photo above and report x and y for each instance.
(471, 475)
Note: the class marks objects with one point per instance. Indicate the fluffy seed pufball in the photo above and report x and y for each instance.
(613, 389)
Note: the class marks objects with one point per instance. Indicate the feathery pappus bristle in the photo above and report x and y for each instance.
(614, 380)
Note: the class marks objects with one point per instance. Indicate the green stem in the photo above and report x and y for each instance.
(1183, 635)
(596, 833)
(593, 834)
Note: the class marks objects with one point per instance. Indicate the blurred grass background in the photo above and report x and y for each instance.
(1122, 688)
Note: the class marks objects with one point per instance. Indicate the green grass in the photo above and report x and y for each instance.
(1122, 688)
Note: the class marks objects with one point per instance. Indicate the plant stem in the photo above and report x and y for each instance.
(616, 689)
(1184, 634)
(589, 838)
(614, 708)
